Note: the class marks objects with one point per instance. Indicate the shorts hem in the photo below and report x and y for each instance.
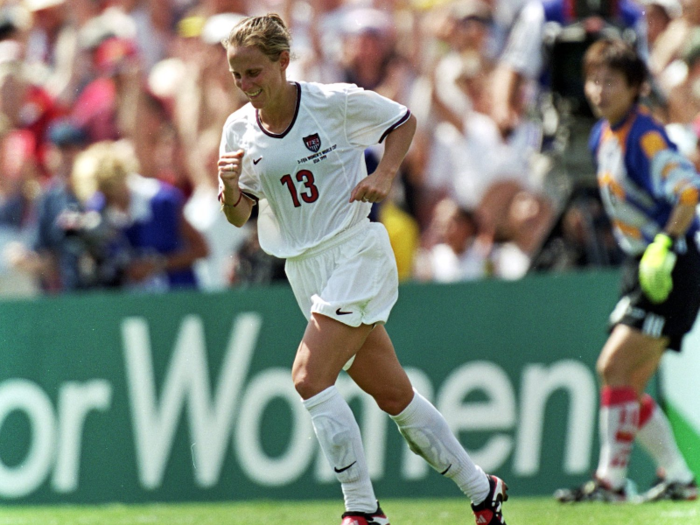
(353, 319)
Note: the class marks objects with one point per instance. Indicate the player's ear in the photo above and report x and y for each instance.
(284, 59)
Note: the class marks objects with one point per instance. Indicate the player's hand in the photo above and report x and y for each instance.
(374, 188)
(230, 166)
(655, 268)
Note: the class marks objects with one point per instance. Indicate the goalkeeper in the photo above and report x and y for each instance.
(650, 191)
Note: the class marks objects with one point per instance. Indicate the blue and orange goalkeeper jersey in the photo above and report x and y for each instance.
(642, 176)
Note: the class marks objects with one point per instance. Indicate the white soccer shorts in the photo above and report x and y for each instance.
(351, 278)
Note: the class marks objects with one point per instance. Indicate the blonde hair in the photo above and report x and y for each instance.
(102, 166)
(268, 33)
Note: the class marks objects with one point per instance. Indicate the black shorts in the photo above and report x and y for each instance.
(676, 315)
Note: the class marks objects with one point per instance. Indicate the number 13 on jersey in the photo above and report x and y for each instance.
(308, 194)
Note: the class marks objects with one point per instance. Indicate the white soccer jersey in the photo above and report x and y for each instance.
(303, 177)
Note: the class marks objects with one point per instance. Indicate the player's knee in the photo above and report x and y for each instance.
(614, 372)
(394, 402)
(302, 385)
(601, 367)
(306, 385)
(607, 370)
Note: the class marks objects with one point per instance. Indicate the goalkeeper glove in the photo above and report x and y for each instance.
(655, 268)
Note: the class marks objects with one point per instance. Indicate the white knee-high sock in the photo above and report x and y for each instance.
(428, 435)
(656, 437)
(339, 436)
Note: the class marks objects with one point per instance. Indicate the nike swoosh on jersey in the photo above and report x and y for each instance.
(257, 160)
(340, 312)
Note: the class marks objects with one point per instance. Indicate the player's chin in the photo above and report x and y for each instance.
(257, 100)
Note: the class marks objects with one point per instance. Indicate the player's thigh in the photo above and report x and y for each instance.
(377, 371)
(325, 348)
(628, 355)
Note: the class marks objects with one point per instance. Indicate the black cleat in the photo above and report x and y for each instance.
(593, 490)
(670, 491)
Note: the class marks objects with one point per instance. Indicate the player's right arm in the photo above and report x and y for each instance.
(234, 203)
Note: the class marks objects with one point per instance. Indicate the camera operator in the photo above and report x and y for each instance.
(140, 237)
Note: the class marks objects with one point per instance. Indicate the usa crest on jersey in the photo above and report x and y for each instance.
(313, 142)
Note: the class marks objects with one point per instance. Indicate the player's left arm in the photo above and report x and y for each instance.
(680, 220)
(675, 179)
(671, 175)
(377, 186)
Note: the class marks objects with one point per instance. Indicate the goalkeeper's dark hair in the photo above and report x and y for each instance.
(268, 33)
(617, 55)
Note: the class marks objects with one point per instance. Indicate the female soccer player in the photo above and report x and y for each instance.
(296, 151)
(650, 192)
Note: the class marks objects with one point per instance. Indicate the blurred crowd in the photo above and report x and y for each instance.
(111, 113)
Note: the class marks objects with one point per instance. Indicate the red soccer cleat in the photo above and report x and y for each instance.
(362, 518)
(490, 511)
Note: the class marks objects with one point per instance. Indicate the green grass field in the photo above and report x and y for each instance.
(522, 511)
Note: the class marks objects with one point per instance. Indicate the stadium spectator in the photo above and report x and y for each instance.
(27, 110)
(515, 79)
(58, 252)
(321, 42)
(461, 145)
(297, 149)
(658, 15)
(650, 192)
(148, 244)
(668, 47)
(191, 81)
(458, 255)
(106, 106)
(17, 187)
(468, 154)
(515, 221)
(51, 45)
(684, 95)
(466, 28)
(153, 22)
(370, 59)
(693, 146)
(19, 180)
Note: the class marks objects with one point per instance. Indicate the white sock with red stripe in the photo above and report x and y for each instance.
(619, 421)
(655, 435)
(428, 435)
(339, 436)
